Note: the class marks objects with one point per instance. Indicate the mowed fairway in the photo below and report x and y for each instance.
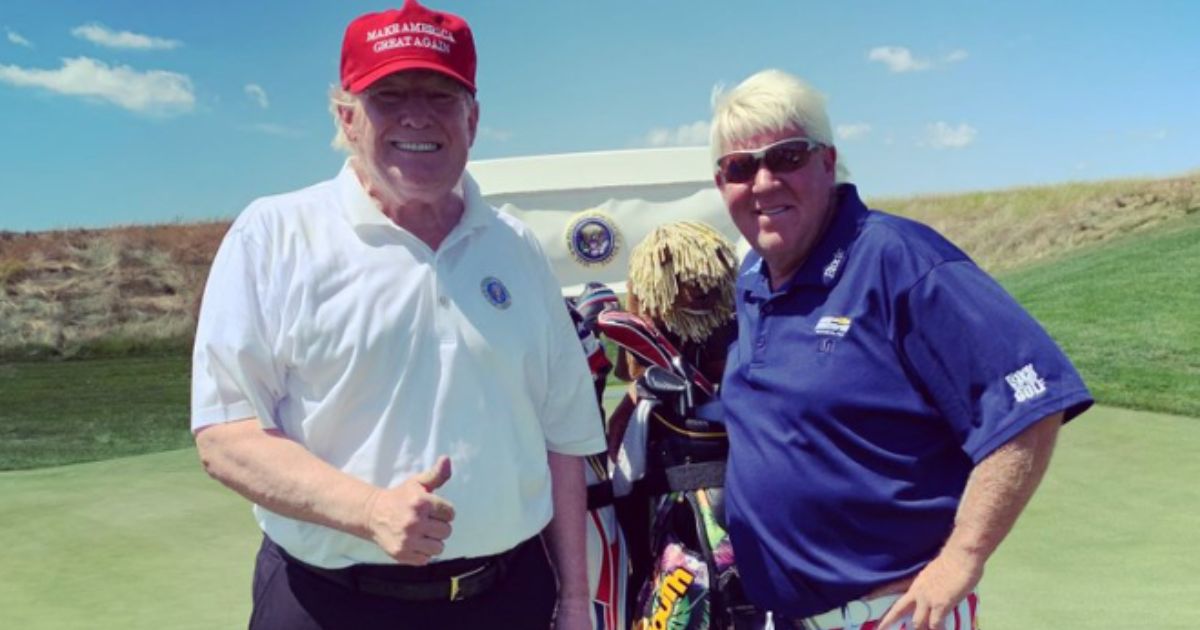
(54, 413)
(149, 542)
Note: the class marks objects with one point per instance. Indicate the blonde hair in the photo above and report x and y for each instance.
(339, 98)
(675, 254)
(769, 101)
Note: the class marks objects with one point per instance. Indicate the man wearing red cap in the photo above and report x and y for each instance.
(384, 367)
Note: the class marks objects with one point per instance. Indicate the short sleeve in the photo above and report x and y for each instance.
(570, 414)
(987, 365)
(234, 374)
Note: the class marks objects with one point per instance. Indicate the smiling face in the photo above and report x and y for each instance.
(783, 215)
(411, 133)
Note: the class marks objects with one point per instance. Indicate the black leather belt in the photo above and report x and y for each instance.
(451, 580)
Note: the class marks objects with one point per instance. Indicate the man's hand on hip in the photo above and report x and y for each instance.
(996, 492)
(937, 589)
(409, 522)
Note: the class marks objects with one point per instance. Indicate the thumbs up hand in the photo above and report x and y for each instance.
(409, 522)
(436, 476)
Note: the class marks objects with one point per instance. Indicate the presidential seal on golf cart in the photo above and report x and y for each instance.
(593, 238)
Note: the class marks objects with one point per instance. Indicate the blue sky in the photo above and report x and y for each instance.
(131, 111)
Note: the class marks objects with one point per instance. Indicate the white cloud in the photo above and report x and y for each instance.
(690, 135)
(273, 129)
(149, 92)
(16, 38)
(941, 135)
(897, 59)
(103, 36)
(258, 95)
(499, 135)
(900, 59)
(852, 131)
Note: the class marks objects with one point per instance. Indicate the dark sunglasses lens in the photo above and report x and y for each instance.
(786, 159)
(738, 169)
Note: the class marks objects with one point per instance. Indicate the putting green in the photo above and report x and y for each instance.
(1112, 538)
(149, 542)
(146, 542)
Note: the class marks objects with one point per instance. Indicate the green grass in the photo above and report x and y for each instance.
(1128, 314)
(144, 542)
(113, 346)
(61, 412)
(149, 542)
(1110, 540)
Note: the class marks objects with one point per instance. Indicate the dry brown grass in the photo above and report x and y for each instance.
(63, 291)
(1009, 229)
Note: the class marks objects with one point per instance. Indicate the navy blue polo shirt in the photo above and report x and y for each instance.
(860, 395)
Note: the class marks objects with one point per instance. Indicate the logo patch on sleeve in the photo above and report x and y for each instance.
(836, 326)
(1026, 384)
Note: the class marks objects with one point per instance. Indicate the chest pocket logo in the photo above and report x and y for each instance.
(495, 292)
(833, 326)
(830, 329)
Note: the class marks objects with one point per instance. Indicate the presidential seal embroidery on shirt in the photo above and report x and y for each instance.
(495, 292)
(593, 238)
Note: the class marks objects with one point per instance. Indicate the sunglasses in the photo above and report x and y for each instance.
(785, 156)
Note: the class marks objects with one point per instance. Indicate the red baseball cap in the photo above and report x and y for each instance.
(411, 38)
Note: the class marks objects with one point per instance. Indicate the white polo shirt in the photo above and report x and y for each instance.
(350, 335)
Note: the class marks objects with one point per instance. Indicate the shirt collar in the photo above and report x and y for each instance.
(828, 258)
(362, 212)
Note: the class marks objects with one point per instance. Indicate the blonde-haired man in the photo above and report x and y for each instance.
(890, 408)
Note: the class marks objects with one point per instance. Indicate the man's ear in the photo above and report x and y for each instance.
(473, 120)
(345, 115)
(830, 159)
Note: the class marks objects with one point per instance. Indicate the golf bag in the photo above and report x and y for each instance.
(607, 557)
(673, 461)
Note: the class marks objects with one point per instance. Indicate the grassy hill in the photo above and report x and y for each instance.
(133, 290)
(1009, 229)
(1114, 281)
(1128, 314)
(114, 292)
